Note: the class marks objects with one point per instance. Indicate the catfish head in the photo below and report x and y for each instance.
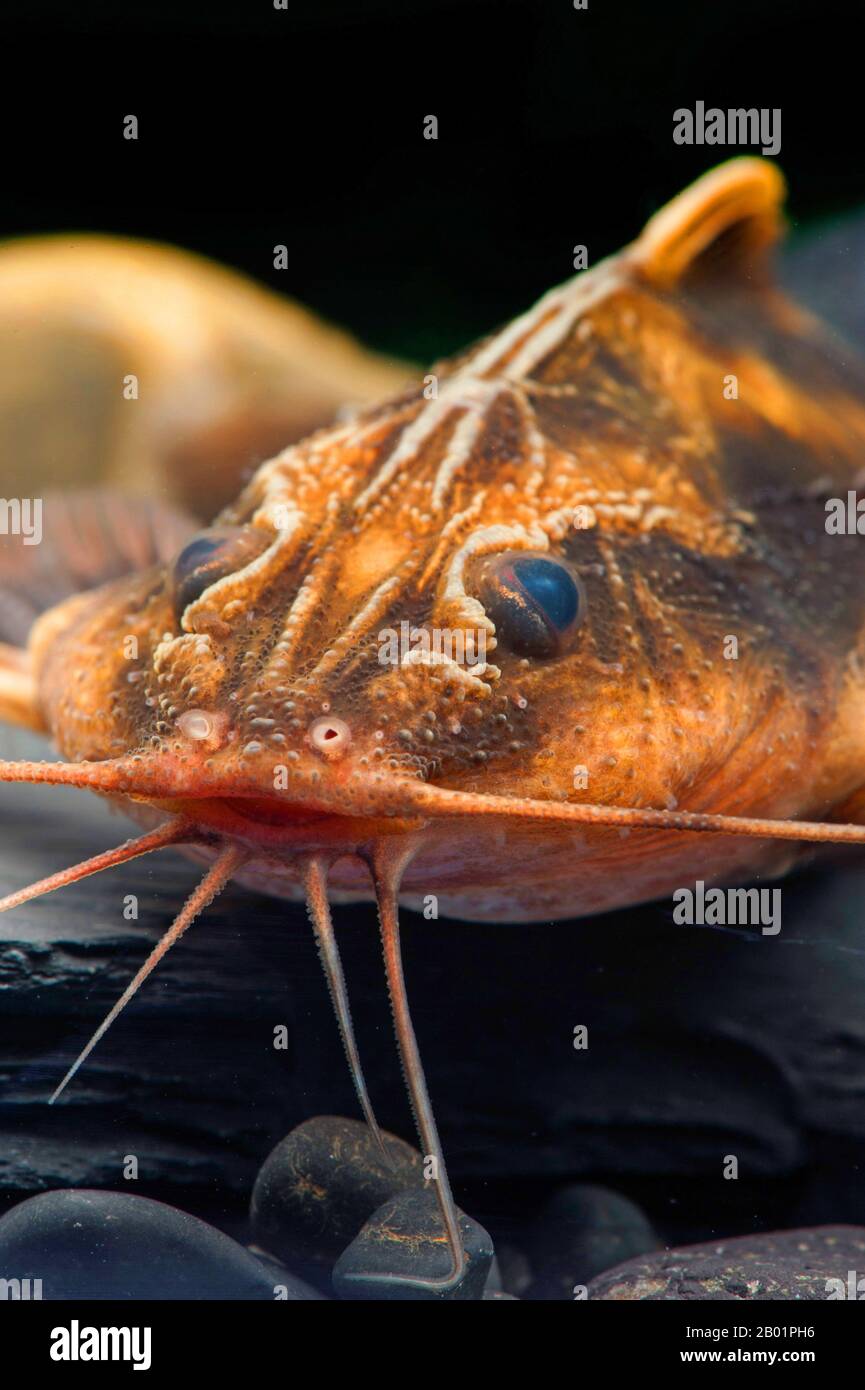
(528, 618)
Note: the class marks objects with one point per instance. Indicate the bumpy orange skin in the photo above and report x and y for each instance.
(600, 427)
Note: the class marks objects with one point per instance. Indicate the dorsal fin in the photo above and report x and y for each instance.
(726, 220)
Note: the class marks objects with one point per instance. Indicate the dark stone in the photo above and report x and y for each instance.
(321, 1183)
(778, 1265)
(494, 1282)
(513, 1263)
(582, 1231)
(404, 1240)
(109, 1245)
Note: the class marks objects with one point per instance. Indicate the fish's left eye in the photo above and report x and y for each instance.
(536, 601)
(209, 556)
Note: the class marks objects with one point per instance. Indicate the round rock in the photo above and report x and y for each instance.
(402, 1245)
(582, 1231)
(321, 1183)
(109, 1245)
(811, 1265)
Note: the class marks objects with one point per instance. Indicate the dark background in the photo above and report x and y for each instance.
(304, 127)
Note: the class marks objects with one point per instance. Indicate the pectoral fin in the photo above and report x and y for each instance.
(63, 544)
(18, 698)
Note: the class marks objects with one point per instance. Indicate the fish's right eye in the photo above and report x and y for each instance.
(535, 600)
(209, 556)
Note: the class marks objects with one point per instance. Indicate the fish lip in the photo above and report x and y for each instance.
(271, 823)
(336, 790)
(209, 798)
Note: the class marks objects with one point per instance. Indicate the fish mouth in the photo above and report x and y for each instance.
(272, 823)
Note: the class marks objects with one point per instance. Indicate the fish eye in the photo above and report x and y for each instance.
(536, 601)
(209, 556)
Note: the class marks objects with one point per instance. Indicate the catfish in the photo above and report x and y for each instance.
(618, 505)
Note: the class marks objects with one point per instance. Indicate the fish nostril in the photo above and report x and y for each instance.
(203, 726)
(196, 723)
(330, 737)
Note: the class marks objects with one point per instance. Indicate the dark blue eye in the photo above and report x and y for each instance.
(209, 556)
(536, 601)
